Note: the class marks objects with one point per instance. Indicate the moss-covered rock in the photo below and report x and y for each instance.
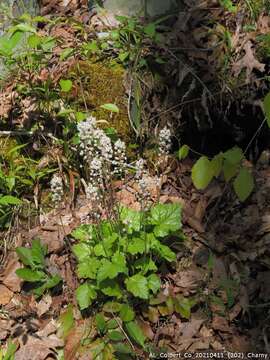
(98, 83)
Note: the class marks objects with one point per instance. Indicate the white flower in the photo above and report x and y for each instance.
(139, 166)
(165, 142)
(91, 192)
(57, 188)
(120, 158)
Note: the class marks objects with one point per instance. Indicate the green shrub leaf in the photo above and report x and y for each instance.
(243, 184)
(100, 322)
(110, 288)
(137, 285)
(166, 217)
(31, 275)
(53, 281)
(234, 155)
(87, 269)
(25, 255)
(183, 152)
(66, 321)
(110, 107)
(126, 313)
(216, 164)
(108, 270)
(9, 200)
(85, 294)
(135, 332)
(154, 283)
(66, 85)
(81, 251)
(115, 335)
(202, 173)
(266, 108)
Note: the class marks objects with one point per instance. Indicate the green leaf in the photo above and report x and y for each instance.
(53, 281)
(234, 155)
(202, 173)
(10, 352)
(154, 283)
(115, 335)
(216, 164)
(9, 200)
(112, 307)
(119, 259)
(137, 285)
(34, 40)
(123, 55)
(150, 30)
(266, 108)
(81, 251)
(166, 217)
(229, 170)
(66, 53)
(110, 107)
(112, 324)
(22, 27)
(135, 332)
(84, 233)
(131, 218)
(122, 348)
(183, 307)
(145, 264)
(126, 313)
(136, 246)
(67, 321)
(100, 322)
(111, 288)
(66, 85)
(87, 269)
(183, 152)
(99, 250)
(165, 252)
(85, 294)
(25, 255)
(108, 270)
(243, 184)
(38, 252)
(31, 275)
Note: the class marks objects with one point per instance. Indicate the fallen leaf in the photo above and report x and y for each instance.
(191, 328)
(10, 279)
(248, 62)
(220, 323)
(5, 295)
(44, 305)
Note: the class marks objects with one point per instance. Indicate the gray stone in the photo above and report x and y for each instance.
(134, 7)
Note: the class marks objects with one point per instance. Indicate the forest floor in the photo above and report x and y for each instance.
(223, 265)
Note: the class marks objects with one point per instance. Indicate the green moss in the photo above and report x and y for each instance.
(98, 83)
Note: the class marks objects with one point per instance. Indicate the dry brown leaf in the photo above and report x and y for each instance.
(44, 305)
(248, 62)
(146, 328)
(235, 311)
(189, 279)
(9, 278)
(5, 295)
(219, 323)
(5, 327)
(195, 224)
(200, 344)
(49, 329)
(191, 328)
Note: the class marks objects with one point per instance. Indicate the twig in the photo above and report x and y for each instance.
(121, 328)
